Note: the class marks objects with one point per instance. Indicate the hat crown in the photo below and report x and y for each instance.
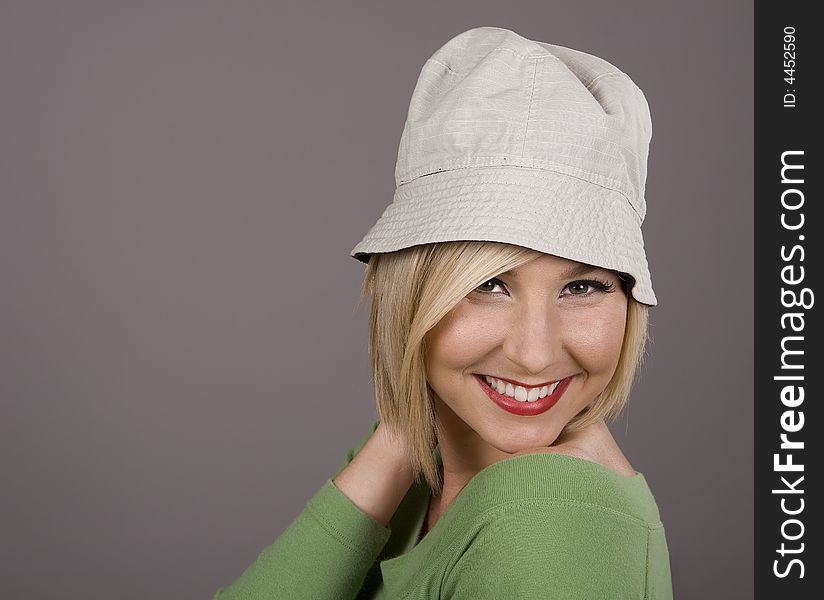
(490, 97)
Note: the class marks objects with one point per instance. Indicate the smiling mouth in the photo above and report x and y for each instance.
(525, 403)
(514, 389)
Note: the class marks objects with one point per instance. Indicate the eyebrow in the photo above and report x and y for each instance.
(574, 271)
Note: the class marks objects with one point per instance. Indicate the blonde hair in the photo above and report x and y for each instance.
(411, 290)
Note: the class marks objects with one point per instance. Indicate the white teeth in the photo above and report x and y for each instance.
(520, 393)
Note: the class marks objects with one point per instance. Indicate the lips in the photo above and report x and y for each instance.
(524, 409)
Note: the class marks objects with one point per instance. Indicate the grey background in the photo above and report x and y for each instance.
(181, 362)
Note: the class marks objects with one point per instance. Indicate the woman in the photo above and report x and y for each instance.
(509, 294)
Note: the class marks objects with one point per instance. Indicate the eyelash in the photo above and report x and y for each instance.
(597, 284)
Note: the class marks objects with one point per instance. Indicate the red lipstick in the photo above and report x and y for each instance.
(524, 409)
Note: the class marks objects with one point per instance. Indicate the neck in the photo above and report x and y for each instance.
(464, 454)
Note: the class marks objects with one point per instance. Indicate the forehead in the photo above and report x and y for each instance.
(555, 266)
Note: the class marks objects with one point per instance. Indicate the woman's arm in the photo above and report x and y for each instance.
(378, 477)
(327, 551)
(560, 549)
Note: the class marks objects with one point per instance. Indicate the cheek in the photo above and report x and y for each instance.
(599, 338)
(459, 340)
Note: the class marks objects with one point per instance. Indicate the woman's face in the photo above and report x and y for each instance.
(550, 319)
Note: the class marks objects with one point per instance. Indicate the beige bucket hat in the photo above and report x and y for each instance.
(522, 142)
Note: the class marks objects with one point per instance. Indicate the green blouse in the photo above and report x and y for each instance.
(537, 526)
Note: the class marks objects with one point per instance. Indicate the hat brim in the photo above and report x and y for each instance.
(539, 209)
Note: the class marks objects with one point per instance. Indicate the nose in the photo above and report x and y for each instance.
(534, 342)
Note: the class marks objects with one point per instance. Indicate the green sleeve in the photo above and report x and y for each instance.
(553, 550)
(326, 552)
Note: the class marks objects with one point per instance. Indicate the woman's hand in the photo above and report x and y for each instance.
(594, 443)
(378, 477)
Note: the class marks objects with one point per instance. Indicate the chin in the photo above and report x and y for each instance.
(520, 437)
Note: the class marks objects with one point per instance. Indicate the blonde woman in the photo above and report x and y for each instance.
(509, 294)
